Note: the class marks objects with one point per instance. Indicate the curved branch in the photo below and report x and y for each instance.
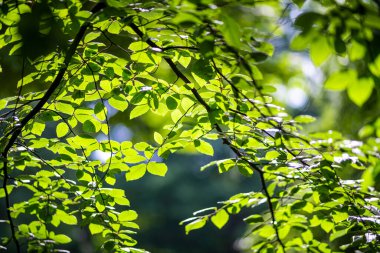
(226, 141)
(33, 113)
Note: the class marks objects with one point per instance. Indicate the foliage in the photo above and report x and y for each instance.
(195, 64)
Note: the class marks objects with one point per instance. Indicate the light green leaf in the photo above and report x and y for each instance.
(9, 189)
(61, 238)
(100, 111)
(91, 36)
(176, 115)
(96, 228)
(338, 234)
(231, 31)
(356, 51)
(158, 138)
(64, 107)
(62, 129)
(158, 169)
(114, 28)
(135, 172)
(320, 50)
(360, 91)
(375, 66)
(129, 215)
(254, 218)
(340, 80)
(203, 147)
(66, 218)
(267, 231)
(327, 226)
(3, 104)
(38, 128)
(304, 119)
(118, 3)
(220, 218)
(197, 224)
(273, 154)
(138, 111)
(118, 102)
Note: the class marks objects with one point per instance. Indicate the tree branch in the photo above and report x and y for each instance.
(226, 141)
(33, 113)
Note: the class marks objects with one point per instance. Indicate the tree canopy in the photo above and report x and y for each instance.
(187, 76)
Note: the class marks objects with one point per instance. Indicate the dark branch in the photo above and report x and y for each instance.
(226, 141)
(34, 112)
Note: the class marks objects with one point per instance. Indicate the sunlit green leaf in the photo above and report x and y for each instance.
(158, 169)
(61, 238)
(220, 218)
(62, 129)
(203, 147)
(138, 111)
(136, 172)
(95, 228)
(197, 224)
(360, 91)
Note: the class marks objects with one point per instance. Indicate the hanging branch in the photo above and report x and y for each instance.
(226, 141)
(18, 128)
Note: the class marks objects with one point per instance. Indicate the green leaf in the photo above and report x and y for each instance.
(267, 231)
(66, 218)
(100, 111)
(304, 119)
(327, 226)
(273, 154)
(64, 107)
(231, 30)
(320, 50)
(3, 104)
(171, 103)
(91, 36)
(197, 224)
(118, 102)
(95, 228)
(118, 3)
(340, 80)
(9, 189)
(114, 28)
(306, 20)
(203, 147)
(254, 218)
(129, 215)
(360, 91)
(61, 238)
(138, 111)
(356, 51)
(136, 172)
(176, 115)
(89, 127)
(158, 138)
(220, 218)
(62, 129)
(299, 3)
(158, 169)
(375, 66)
(37, 128)
(338, 234)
